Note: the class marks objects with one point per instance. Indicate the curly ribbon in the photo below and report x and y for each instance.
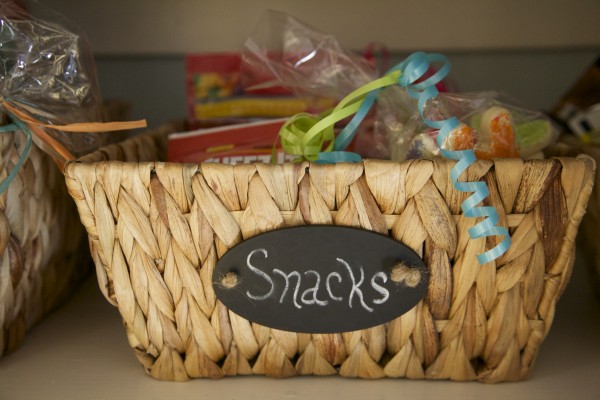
(414, 68)
(313, 138)
(21, 115)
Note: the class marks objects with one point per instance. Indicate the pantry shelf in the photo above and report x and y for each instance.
(81, 351)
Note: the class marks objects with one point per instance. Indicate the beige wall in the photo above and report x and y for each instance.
(533, 50)
(175, 26)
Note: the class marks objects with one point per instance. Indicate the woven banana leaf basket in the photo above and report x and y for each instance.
(570, 146)
(157, 229)
(42, 242)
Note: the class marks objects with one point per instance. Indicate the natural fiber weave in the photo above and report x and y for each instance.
(41, 241)
(157, 229)
(588, 239)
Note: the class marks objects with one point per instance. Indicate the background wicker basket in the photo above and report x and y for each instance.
(156, 230)
(570, 146)
(42, 246)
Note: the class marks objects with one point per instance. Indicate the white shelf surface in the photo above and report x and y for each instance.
(80, 352)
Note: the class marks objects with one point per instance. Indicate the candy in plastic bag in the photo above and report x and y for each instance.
(491, 124)
(285, 52)
(47, 66)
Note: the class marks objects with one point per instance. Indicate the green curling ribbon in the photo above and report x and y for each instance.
(311, 137)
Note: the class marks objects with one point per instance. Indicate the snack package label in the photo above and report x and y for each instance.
(215, 93)
(239, 143)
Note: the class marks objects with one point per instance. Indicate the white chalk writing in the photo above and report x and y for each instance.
(358, 290)
(261, 274)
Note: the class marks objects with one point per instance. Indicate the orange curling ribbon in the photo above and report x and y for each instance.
(22, 115)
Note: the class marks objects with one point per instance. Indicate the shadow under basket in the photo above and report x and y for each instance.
(42, 242)
(157, 230)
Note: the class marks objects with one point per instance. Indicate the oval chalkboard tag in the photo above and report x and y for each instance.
(320, 279)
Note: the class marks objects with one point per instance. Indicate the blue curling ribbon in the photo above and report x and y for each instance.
(17, 125)
(347, 134)
(412, 70)
(333, 157)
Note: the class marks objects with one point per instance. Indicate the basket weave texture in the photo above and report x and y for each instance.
(588, 240)
(156, 230)
(42, 246)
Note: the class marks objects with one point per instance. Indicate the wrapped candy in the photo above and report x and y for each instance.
(48, 70)
(312, 138)
(490, 124)
(284, 52)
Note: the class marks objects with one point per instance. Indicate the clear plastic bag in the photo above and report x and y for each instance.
(491, 123)
(47, 67)
(285, 52)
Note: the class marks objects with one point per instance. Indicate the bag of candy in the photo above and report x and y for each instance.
(283, 51)
(491, 123)
(48, 71)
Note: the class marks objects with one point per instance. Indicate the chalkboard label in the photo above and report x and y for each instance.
(320, 279)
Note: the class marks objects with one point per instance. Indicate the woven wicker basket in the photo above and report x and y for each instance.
(42, 246)
(156, 230)
(589, 241)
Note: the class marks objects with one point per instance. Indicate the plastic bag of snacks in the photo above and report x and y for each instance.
(491, 124)
(283, 51)
(48, 69)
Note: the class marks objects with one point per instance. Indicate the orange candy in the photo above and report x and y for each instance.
(461, 138)
(495, 137)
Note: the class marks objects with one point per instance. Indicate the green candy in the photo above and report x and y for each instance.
(533, 136)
